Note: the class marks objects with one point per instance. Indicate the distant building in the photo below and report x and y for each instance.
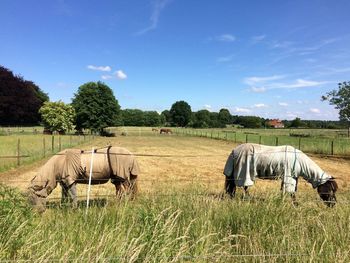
(275, 123)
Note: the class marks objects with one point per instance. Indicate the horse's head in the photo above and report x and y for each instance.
(38, 202)
(327, 192)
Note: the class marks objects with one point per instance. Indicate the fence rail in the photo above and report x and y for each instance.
(336, 147)
(26, 148)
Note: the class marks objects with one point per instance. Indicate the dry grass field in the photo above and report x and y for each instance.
(178, 162)
(177, 216)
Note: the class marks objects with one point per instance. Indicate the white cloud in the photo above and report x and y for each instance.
(339, 70)
(256, 80)
(100, 68)
(158, 6)
(243, 110)
(120, 75)
(314, 110)
(301, 83)
(260, 105)
(224, 59)
(105, 77)
(310, 60)
(226, 38)
(282, 44)
(284, 104)
(262, 84)
(207, 107)
(259, 38)
(257, 89)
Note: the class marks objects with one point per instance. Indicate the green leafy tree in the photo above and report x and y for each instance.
(180, 113)
(166, 117)
(297, 123)
(250, 121)
(57, 116)
(95, 106)
(201, 119)
(214, 120)
(152, 118)
(224, 117)
(133, 117)
(340, 98)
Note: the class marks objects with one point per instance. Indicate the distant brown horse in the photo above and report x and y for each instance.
(165, 130)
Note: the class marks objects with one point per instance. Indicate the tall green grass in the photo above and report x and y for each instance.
(177, 225)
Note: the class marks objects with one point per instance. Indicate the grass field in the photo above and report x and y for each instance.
(178, 215)
(320, 141)
(34, 147)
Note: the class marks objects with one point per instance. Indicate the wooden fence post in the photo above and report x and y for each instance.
(52, 143)
(276, 141)
(18, 152)
(59, 143)
(235, 137)
(332, 148)
(300, 143)
(260, 139)
(44, 146)
(246, 138)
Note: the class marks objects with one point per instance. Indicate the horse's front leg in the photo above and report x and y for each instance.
(230, 186)
(73, 194)
(246, 192)
(64, 193)
(294, 199)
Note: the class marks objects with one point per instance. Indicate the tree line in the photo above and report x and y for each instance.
(95, 107)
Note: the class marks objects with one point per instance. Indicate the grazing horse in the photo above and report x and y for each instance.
(249, 161)
(165, 130)
(155, 129)
(72, 166)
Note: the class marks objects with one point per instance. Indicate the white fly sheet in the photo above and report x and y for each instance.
(249, 161)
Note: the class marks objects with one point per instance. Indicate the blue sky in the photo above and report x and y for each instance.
(273, 59)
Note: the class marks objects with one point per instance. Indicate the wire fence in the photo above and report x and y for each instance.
(18, 150)
(335, 146)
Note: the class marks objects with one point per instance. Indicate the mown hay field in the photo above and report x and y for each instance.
(179, 215)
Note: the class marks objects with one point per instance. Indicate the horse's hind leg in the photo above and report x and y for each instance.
(119, 189)
(133, 185)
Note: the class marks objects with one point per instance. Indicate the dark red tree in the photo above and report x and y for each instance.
(20, 100)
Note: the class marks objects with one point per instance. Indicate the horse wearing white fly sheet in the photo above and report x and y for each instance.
(250, 161)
